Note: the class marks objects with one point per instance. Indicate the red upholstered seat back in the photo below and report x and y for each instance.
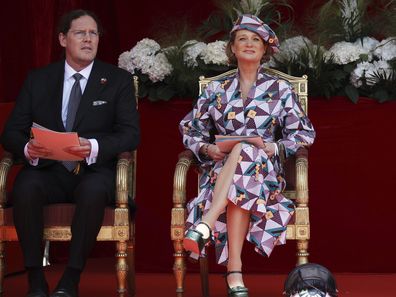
(5, 110)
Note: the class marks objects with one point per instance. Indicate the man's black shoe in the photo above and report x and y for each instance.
(61, 292)
(37, 293)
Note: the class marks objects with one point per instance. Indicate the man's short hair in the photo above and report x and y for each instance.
(66, 20)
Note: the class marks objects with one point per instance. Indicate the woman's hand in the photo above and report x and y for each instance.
(269, 148)
(214, 153)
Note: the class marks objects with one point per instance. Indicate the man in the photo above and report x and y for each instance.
(105, 117)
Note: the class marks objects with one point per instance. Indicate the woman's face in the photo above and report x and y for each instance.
(248, 47)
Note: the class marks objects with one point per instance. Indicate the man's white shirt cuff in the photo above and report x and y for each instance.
(32, 162)
(91, 159)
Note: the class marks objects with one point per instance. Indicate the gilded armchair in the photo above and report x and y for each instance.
(118, 224)
(296, 169)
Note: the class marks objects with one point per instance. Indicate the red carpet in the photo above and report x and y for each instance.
(99, 281)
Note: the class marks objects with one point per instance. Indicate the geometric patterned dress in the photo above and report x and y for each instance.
(258, 180)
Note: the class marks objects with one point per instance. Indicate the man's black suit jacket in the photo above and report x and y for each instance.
(107, 111)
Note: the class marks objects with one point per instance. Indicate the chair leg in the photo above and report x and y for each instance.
(179, 266)
(131, 267)
(2, 266)
(302, 252)
(203, 265)
(121, 268)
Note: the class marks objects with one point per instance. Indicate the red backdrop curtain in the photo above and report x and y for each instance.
(29, 33)
(29, 36)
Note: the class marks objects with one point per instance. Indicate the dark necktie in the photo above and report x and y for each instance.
(74, 101)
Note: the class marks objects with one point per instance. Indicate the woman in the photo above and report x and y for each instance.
(240, 193)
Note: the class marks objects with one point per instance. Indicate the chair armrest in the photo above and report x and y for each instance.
(124, 180)
(302, 177)
(302, 153)
(125, 156)
(185, 160)
(5, 166)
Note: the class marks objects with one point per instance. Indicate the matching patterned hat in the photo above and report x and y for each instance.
(254, 24)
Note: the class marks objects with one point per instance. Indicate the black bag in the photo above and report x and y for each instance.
(311, 280)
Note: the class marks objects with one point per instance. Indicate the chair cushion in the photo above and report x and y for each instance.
(60, 215)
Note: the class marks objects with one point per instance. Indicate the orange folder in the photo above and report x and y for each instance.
(57, 142)
(227, 142)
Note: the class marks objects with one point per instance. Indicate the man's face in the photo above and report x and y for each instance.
(80, 42)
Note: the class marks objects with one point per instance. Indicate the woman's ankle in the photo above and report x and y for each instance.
(234, 278)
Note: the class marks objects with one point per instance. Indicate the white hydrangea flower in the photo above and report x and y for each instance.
(159, 68)
(147, 57)
(146, 47)
(386, 49)
(345, 52)
(143, 52)
(125, 62)
(368, 43)
(192, 49)
(214, 53)
(358, 74)
(290, 48)
(366, 71)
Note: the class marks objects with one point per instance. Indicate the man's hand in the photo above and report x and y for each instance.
(83, 150)
(36, 150)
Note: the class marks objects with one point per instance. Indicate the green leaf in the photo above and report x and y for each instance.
(349, 67)
(143, 77)
(143, 90)
(165, 92)
(152, 95)
(382, 95)
(339, 74)
(364, 57)
(352, 93)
